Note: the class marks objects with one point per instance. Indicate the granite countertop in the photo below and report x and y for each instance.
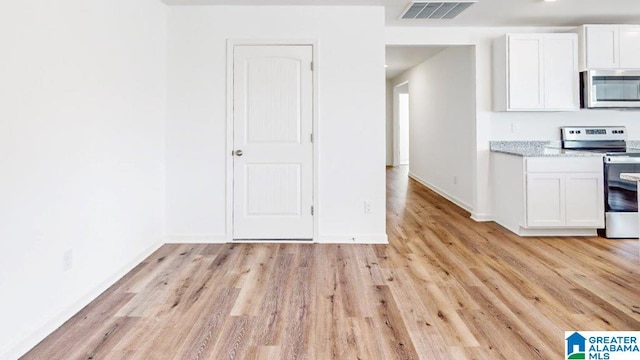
(630, 176)
(633, 144)
(537, 149)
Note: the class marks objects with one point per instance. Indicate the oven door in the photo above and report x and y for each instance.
(620, 195)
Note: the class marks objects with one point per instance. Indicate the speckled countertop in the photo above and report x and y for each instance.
(537, 149)
(633, 144)
(630, 176)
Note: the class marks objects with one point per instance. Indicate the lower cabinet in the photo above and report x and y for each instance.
(546, 200)
(584, 196)
(552, 196)
(565, 199)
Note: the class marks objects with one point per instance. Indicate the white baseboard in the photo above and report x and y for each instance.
(353, 239)
(322, 239)
(557, 232)
(274, 241)
(196, 239)
(38, 335)
(481, 217)
(442, 193)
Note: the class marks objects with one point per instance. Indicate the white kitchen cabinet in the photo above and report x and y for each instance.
(561, 78)
(565, 199)
(545, 200)
(525, 72)
(554, 196)
(609, 47)
(536, 72)
(584, 196)
(600, 48)
(629, 46)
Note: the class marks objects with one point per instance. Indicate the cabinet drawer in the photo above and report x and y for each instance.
(564, 165)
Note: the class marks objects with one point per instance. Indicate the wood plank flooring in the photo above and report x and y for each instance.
(445, 287)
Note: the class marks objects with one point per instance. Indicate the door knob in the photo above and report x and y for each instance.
(238, 152)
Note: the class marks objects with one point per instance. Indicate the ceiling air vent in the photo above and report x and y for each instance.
(436, 10)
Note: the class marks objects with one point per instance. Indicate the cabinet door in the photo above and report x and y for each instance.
(602, 46)
(561, 80)
(584, 200)
(525, 72)
(630, 46)
(545, 200)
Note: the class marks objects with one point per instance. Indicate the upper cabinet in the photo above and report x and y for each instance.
(609, 47)
(536, 72)
(629, 46)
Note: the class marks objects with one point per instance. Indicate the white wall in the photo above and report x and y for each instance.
(351, 98)
(546, 126)
(442, 118)
(82, 109)
(389, 120)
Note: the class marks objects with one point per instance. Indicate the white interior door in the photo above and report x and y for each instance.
(273, 151)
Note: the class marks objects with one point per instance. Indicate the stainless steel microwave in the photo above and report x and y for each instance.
(610, 89)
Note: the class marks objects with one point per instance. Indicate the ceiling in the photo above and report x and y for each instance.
(401, 58)
(483, 13)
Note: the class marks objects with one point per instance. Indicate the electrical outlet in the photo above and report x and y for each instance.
(367, 207)
(514, 128)
(455, 180)
(67, 260)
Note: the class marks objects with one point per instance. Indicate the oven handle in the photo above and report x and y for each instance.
(621, 160)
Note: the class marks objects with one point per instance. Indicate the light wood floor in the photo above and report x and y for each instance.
(444, 288)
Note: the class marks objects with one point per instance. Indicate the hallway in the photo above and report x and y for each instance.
(445, 287)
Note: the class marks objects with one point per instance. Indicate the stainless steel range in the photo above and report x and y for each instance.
(620, 196)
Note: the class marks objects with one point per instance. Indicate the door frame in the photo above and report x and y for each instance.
(231, 43)
(396, 121)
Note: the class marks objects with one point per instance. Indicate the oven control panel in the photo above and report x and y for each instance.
(589, 133)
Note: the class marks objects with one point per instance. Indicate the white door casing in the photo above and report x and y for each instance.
(402, 88)
(404, 128)
(272, 127)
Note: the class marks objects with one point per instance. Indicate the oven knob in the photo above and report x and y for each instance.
(578, 132)
(571, 132)
(621, 132)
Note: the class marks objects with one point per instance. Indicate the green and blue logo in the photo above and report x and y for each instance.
(602, 345)
(576, 345)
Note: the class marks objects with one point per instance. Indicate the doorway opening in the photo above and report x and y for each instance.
(400, 60)
(438, 86)
(401, 124)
